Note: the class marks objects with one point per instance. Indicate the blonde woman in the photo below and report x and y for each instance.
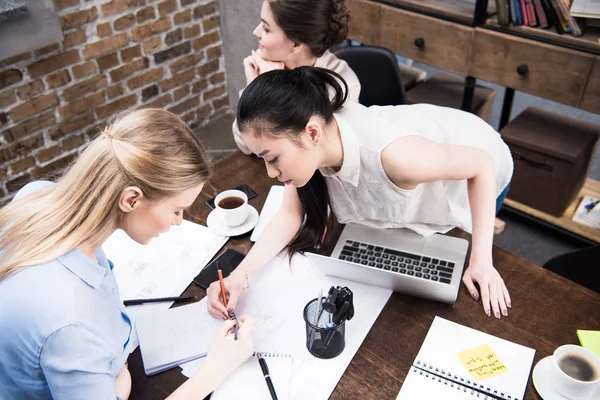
(294, 33)
(64, 331)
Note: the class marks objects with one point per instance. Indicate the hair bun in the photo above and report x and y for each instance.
(338, 24)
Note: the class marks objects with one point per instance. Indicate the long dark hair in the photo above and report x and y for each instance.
(320, 24)
(280, 103)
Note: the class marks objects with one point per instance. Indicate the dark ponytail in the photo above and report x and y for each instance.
(281, 102)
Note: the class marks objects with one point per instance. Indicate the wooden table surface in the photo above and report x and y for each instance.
(547, 309)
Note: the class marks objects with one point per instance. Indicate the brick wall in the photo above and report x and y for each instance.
(115, 55)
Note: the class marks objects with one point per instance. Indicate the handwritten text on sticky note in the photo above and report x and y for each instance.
(482, 362)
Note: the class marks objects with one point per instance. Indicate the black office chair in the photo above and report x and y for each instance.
(580, 266)
(378, 73)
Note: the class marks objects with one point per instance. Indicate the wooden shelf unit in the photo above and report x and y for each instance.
(590, 40)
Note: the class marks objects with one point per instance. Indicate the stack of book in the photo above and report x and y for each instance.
(543, 14)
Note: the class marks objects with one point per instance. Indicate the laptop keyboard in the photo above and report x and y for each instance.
(432, 269)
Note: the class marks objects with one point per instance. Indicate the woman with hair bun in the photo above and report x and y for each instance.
(295, 33)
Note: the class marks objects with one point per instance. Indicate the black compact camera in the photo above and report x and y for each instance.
(340, 304)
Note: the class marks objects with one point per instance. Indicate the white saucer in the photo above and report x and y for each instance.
(217, 226)
(542, 381)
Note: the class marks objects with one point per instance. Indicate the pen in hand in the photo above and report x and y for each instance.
(223, 292)
(230, 313)
(265, 371)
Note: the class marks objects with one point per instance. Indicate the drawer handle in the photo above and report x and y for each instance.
(420, 42)
(522, 69)
(533, 164)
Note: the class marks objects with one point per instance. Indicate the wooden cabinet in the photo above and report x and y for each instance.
(540, 69)
(591, 96)
(426, 39)
(365, 20)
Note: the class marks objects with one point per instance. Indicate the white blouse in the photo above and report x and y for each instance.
(361, 192)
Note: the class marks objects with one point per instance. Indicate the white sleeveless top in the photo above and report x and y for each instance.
(361, 192)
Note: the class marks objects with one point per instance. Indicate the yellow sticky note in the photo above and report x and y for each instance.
(482, 362)
(590, 340)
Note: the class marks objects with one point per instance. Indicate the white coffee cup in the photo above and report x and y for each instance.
(232, 206)
(575, 372)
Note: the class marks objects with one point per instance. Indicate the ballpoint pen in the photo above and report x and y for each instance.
(134, 302)
(265, 371)
(318, 313)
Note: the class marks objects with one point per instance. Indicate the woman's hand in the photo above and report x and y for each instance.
(225, 353)
(264, 65)
(250, 69)
(123, 383)
(234, 286)
(494, 293)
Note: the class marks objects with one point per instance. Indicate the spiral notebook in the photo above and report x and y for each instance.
(175, 336)
(248, 382)
(457, 362)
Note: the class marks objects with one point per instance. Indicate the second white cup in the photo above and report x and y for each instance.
(233, 207)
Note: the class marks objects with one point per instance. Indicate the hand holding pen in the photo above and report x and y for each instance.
(226, 354)
(230, 312)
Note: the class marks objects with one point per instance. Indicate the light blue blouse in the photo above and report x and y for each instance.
(64, 332)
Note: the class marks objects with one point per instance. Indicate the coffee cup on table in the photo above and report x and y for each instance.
(575, 372)
(232, 206)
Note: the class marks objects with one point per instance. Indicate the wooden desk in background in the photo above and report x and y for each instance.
(547, 309)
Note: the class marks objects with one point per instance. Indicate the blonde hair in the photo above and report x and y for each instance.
(151, 149)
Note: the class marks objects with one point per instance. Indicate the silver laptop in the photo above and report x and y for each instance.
(398, 259)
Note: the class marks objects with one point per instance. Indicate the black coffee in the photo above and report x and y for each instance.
(578, 367)
(229, 203)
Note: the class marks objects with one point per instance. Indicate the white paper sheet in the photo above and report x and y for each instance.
(163, 268)
(276, 302)
(248, 382)
(269, 209)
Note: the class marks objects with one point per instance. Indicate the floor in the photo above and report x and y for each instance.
(520, 237)
(217, 138)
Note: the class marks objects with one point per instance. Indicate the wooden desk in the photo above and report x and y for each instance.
(547, 310)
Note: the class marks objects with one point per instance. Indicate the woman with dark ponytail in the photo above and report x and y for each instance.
(421, 167)
(294, 33)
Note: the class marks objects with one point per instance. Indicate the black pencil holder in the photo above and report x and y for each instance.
(325, 339)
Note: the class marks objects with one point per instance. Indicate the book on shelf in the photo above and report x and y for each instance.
(541, 15)
(547, 13)
(530, 11)
(503, 12)
(571, 23)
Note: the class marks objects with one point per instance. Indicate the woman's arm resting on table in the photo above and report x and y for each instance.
(412, 160)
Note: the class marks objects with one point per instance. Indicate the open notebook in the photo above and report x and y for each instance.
(175, 336)
(457, 362)
(248, 382)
